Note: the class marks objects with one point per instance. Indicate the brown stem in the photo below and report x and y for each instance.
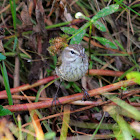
(70, 98)
(105, 72)
(27, 86)
(79, 102)
(48, 79)
(17, 69)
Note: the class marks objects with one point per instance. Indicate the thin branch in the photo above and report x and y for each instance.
(70, 98)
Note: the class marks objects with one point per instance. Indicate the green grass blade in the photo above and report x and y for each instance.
(15, 43)
(132, 110)
(13, 10)
(6, 83)
(97, 128)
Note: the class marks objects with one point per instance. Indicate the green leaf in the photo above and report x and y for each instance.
(68, 30)
(106, 11)
(105, 42)
(97, 128)
(13, 11)
(4, 112)
(121, 47)
(78, 37)
(134, 75)
(133, 112)
(6, 83)
(1, 107)
(99, 26)
(125, 7)
(2, 57)
(50, 135)
(15, 44)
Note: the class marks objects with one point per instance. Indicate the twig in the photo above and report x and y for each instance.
(70, 98)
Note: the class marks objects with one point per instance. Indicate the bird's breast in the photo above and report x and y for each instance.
(72, 71)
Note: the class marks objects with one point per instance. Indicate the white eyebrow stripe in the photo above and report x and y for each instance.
(71, 49)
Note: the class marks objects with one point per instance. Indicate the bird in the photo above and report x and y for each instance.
(72, 64)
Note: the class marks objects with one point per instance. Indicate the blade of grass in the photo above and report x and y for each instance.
(15, 43)
(13, 10)
(6, 83)
(132, 110)
(66, 119)
(123, 75)
(91, 138)
(58, 25)
(118, 2)
(38, 93)
(123, 132)
(19, 127)
(101, 62)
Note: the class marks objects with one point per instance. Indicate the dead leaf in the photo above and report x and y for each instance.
(118, 63)
(31, 7)
(26, 19)
(89, 83)
(1, 47)
(40, 16)
(2, 31)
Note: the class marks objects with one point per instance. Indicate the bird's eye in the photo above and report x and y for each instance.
(72, 52)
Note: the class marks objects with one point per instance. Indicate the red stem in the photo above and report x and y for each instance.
(105, 72)
(48, 79)
(27, 86)
(70, 98)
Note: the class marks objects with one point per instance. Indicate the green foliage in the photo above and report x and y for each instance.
(99, 26)
(4, 112)
(128, 71)
(69, 30)
(77, 35)
(13, 10)
(127, 7)
(122, 128)
(77, 38)
(120, 46)
(102, 62)
(105, 42)
(50, 135)
(95, 132)
(6, 83)
(58, 25)
(123, 132)
(105, 11)
(15, 43)
(134, 75)
(2, 57)
(130, 110)
(124, 88)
